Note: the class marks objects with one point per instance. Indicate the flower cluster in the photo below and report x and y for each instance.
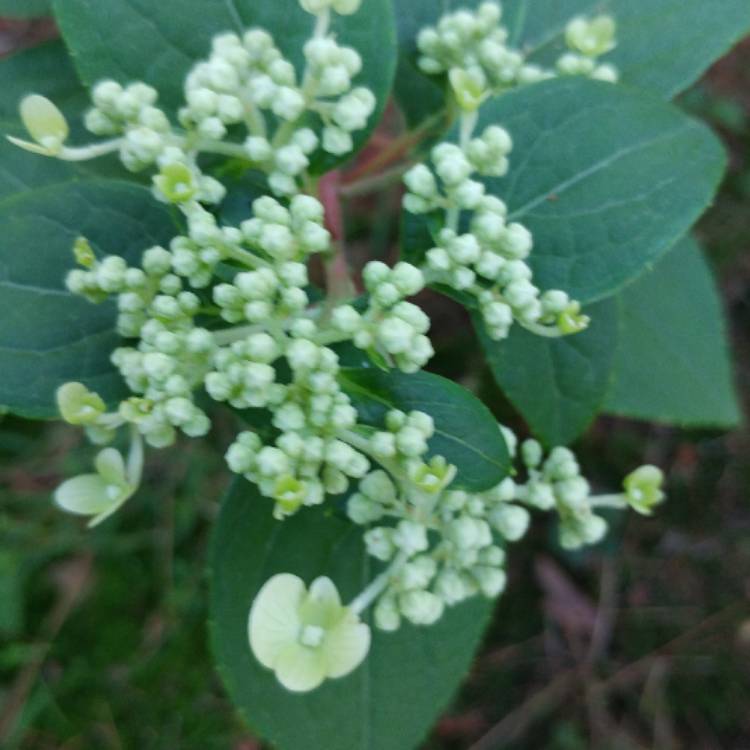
(488, 262)
(472, 48)
(444, 545)
(246, 82)
(589, 39)
(227, 314)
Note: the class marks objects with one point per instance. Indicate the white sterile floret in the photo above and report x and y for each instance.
(98, 495)
(305, 636)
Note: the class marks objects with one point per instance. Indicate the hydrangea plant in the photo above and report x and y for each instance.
(536, 189)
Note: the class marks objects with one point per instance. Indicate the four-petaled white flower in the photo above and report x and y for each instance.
(305, 636)
(98, 495)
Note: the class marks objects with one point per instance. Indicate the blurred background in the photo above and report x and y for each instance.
(643, 642)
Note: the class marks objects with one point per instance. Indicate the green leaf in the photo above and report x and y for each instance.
(607, 179)
(673, 364)
(159, 42)
(558, 385)
(50, 336)
(390, 701)
(466, 433)
(663, 45)
(25, 8)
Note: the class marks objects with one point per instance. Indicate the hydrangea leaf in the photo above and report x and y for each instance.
(391, 700)
(25, 8)
(673, 363)
(466, 433)
(663, 46)
(159, 42)
(50, 336)
(558, 385)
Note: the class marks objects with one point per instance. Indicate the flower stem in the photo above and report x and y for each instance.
(378, 585)
(619, 502)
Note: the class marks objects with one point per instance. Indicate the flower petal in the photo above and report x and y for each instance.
(346, 646)
(85, 495)
(35, 148)
(322, 605)
(111, 466)
(300, 669)
(324, 590)
(274, 621)
(43, 119)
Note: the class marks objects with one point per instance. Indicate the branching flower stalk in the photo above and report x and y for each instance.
(226, 311)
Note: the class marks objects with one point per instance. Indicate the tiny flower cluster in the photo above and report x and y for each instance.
(246, 82)
(589, 39)
(390, 326)
(309, 459)
(471, 47)
(444, 545)
(487, 263)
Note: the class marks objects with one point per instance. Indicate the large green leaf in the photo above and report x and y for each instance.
(663, 45)
(159, 42)
(48, 335)
(25, 8)
(466, 433)
(673, 362)
(606, 178)
(558, 385)
(390, 701)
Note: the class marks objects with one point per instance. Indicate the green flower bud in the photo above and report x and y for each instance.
(468, 89)
(643, 489)
(289, 494)
(434, 476)
(84, 253)
(572, 320)
(175, 183)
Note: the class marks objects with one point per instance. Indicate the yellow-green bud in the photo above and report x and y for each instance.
(592, 37)
(78, 405)
(289, 494)
(84, 253)
(175, 182)
(643, 489)
(572, 320)
(469, 92)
